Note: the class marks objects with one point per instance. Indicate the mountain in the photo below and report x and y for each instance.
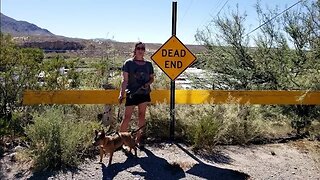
(30, 35)
(21, 28)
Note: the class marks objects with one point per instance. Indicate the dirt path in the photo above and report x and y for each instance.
(176, 161)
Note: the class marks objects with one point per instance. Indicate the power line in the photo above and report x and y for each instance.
(226, 2)
(185, 13)
(222, 7)
(219, 11)
(211, 10)
(273, 17)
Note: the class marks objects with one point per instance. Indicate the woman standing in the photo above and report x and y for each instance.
(137, 74)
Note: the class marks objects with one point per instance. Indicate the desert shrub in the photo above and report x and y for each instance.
(314, 130)
(240, 124)
(206, 125)
(189, 119)
(58, 140)
(206, 131)
(158, 121)
(228, 124)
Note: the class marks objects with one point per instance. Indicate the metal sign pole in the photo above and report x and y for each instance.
(172, 88)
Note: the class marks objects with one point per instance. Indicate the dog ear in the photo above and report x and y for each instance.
(102, 132)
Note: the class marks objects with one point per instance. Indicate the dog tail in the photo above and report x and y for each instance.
(135, 131)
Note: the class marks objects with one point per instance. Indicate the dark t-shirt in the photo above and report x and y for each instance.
(139, 74)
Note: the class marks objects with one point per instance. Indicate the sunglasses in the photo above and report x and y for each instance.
(141, 48)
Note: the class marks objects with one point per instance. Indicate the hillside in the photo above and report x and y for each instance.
(30, 35)
(21, 28)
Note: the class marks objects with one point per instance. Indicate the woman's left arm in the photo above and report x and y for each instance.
(151, 80)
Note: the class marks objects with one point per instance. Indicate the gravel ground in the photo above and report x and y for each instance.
(176, 161)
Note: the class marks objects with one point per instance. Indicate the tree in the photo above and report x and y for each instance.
(228, 52)
(19, 69)
(284, 53)
(270, 63)
(303, 29)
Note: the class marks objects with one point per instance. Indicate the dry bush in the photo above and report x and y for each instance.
(58, 139)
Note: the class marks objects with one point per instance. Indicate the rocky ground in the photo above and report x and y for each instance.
(293, 160)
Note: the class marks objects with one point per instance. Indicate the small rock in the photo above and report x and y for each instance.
(273, 153)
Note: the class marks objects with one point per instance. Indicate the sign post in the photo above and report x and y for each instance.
(173, 57)
(172, 84)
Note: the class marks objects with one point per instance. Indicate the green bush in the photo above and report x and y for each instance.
(158, 122)
(58, 139)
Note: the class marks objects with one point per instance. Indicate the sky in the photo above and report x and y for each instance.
(148, 21)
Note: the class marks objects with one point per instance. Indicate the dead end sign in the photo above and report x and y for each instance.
(173, 57)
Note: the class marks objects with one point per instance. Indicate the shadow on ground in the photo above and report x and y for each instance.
(207, 171)
(154, 167)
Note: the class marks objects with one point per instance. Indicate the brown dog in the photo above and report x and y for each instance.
(108, 144)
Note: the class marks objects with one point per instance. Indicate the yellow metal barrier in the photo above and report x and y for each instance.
(182, 97)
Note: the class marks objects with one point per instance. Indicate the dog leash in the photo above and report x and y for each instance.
(138, 129)
(119, 109)
(135, 92)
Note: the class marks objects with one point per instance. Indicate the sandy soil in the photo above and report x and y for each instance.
(293, 160)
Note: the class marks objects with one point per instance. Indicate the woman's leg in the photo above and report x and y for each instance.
(127, 117)
(141, 119)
